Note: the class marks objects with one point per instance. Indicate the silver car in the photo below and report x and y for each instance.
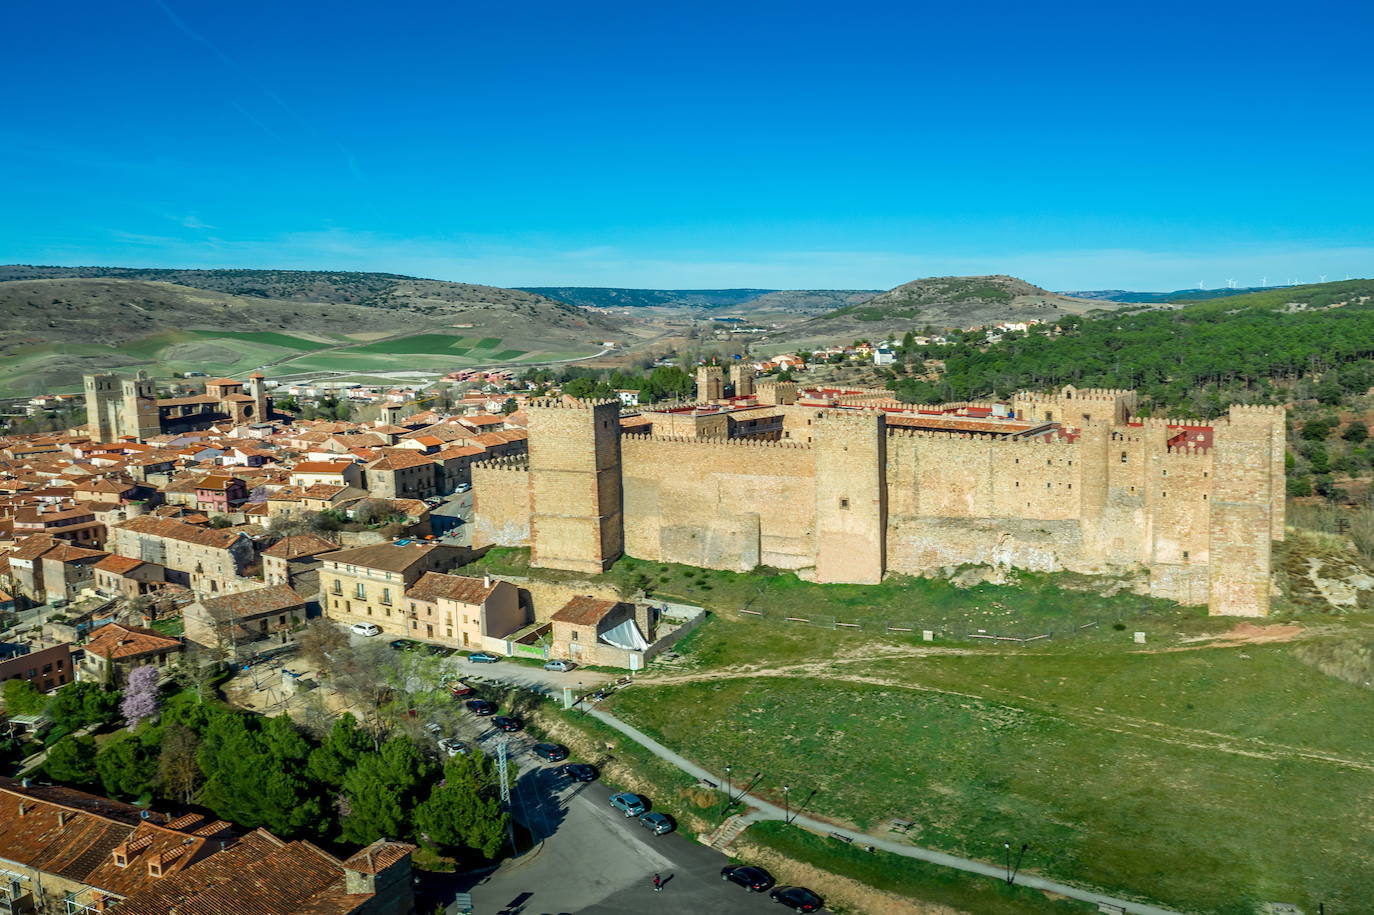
(632, 805)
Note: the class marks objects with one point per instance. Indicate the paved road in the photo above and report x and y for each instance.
(765, 810)
(531, 677)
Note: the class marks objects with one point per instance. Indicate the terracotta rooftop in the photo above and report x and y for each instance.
(177, 530)
(241, 604)
(119, 565)
(584, 610)
(386, 557)
(322, 467)
(400, 459)
(115, 642)
(299, 545)
(433, 585)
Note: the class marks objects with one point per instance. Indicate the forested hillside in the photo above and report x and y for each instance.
(1265, 347)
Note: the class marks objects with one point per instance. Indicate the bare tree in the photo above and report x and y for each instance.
(178, 773)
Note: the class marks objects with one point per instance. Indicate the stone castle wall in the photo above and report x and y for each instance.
(500, 503)
(843, 498)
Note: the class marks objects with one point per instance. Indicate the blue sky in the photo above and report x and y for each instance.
(791, 145)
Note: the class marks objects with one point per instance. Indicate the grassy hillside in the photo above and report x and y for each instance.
(1195, 359)
(750, 302)
(940, 302)
(54, 329)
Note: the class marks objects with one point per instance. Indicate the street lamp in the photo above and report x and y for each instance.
(786, 811)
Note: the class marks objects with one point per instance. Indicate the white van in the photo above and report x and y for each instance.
(365, 629)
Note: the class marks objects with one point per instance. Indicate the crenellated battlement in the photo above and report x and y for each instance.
(1189, 452)
(632, 437)
(516, 463)
(571, 403)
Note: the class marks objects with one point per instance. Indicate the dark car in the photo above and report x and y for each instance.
(754, 879)
(405, 645)
(658, 823)
(480, 707)
(439, 651)
(483, 657)
(507, 723)
(580, 772)
(797, 897)
(553, 752)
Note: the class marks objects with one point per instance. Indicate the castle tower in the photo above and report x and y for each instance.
(742, 377)
(710, 383)
(777, 393)
(575, 485)
(262, 407)
(1248, 484)
(391, 414)
(851, 496)
(138, 415)
(102, 406)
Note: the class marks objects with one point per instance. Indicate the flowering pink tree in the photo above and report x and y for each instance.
(140, 695)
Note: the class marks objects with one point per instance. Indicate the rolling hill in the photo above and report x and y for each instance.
(745, 301)
(940, 302)
(58, 322)
(1159, 298)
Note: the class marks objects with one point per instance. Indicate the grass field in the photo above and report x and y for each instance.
(1202, 770)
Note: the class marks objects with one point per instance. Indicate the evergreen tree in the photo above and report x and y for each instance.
(127, 763)
(463, 810)
(77, 705)
(71, 761)
(380, 789)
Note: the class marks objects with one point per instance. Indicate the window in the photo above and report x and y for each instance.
(844, 503)
(574, 635)
(386, 596)
(338, 588)
(359, 592)
(1185, 554)
(1123, 457)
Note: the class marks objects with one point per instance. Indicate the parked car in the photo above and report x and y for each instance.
(483, 657)
(632, 805)
(580, 772)
(433, 728)
(368, 629)
(507, 723)
(658, 823)
(405, 645)
(453, 746)
(462, 487)
(439, 651)
(797, 897)
(553, 752)
(561, 666)
(481, 707)
(754, 879)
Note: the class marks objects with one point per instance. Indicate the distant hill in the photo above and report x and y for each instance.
(1296, 298)
(1160, 298)
(942, 302)
(56, 322)
(798, 301)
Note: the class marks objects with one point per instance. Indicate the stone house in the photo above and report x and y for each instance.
(44, 569)
(229, 621)
(459, 611)
(114, 650)
(333, 473)
(591, 630)
(295, 561)
(402, 474)
(368, 583)
(206, 559)
(123, 576)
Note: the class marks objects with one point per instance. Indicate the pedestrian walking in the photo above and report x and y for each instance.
(658, 882)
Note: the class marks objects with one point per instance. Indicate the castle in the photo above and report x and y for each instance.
(846, 486)
(129, 407)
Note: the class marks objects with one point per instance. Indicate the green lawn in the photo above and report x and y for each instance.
(506, 355)
(418, 344)
(488, 343)
(1057, 752)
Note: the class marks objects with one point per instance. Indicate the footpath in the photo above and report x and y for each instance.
(766, 810)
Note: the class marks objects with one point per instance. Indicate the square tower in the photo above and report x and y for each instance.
(575, 486)
(710, 383)
(102, 406)
(139, 414)
(851, 496)
(742, 377)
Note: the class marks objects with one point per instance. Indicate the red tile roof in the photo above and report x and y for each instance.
(115, 642)
(434, 585)
(584, 610)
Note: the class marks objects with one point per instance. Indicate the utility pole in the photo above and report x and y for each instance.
(786, 812)
(501, 770)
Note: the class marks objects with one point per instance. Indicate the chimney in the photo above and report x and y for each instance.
(486, 581)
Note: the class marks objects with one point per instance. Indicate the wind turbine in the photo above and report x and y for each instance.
(1264, 281)
(1202, 284)
(1323, 277)
(1230, 284)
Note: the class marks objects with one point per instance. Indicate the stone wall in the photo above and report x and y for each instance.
(500, 504)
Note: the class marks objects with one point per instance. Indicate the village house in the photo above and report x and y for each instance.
(459, 611)
(268, 614)
(295, 561)
(126, 577)
(206, 559)
(113, 650)
(219, 494)
(590, 630)
(75, 523)
(46, 668)
(402, 474)
(44, 569)
(367, 584)
(334, 473)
